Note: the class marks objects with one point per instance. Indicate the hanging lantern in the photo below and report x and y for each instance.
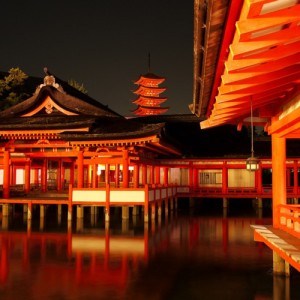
(252, 163)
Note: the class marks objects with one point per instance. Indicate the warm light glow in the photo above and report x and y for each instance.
(252, 164)
(99, 169)
(131, 168)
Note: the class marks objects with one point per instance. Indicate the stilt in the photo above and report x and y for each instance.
(79, 224)
(281, 288)
(79, 212)
(225, 202)
(125, 225)
(125, 212)
(59, 213)
(135, 210)
(5, 210)
(69, 213)
(280, 266)
(259, 203)
(106, 213)
(25, 208)
(42, 211)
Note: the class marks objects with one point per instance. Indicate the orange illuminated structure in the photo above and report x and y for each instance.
(148, 92)
(248, 51)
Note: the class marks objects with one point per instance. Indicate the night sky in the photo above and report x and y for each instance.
(103, 44)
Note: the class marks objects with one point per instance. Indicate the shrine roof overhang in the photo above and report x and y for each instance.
(114, 130)
(257, 61)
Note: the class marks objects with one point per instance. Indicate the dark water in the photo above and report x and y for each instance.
(193, 254)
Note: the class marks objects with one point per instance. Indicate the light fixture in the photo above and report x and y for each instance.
(252, 163)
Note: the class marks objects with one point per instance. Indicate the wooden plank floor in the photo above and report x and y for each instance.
(283, 243)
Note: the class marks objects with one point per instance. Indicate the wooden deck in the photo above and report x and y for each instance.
(284, 244)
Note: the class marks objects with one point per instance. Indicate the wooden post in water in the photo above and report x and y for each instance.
(280, 266)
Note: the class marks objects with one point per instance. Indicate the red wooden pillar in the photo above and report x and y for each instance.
(107, 179)
(157, 175)
(27, 177)
(80, 170)
(125, 169)
(195, 177)
(44, 175)
(94, 176)
(6, 175)
(295, 177)
(278, 176)
(259, 180)
(224, 178)
(63, 183)
(117, 175)
(136, 176)
(166, 176)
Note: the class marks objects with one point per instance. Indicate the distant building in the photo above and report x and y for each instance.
(148, 92)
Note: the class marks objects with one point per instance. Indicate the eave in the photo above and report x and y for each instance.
(261, 63)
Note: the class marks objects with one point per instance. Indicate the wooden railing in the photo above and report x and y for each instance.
(289, 219)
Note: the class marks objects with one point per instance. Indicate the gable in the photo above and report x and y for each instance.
(48, 106)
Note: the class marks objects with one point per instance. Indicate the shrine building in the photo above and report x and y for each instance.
(246, 73)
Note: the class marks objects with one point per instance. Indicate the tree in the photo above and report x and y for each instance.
(77, 86)
(12, 88)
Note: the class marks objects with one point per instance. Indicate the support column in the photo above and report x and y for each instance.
(125, 212)
(225, 202)
(136, 175)
(125, 169)
(280, 266)
(94, 176)
(259, 203)
(80, 171)
(117, 175)
(42, 211)
(44, 175)
(224, 178)
(166, 176)
(79, 211)
(107, 179)
(6, 174)
(278, 176)
(27, 177)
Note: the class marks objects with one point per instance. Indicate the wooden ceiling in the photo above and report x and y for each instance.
(257, 60)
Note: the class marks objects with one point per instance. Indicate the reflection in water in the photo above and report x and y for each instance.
(190, 257)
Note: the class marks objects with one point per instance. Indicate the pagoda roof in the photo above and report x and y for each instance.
(149, 79)
(146, 91)
(147, 110)
(149, 101)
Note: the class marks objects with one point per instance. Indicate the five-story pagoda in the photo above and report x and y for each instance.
(148, 92)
